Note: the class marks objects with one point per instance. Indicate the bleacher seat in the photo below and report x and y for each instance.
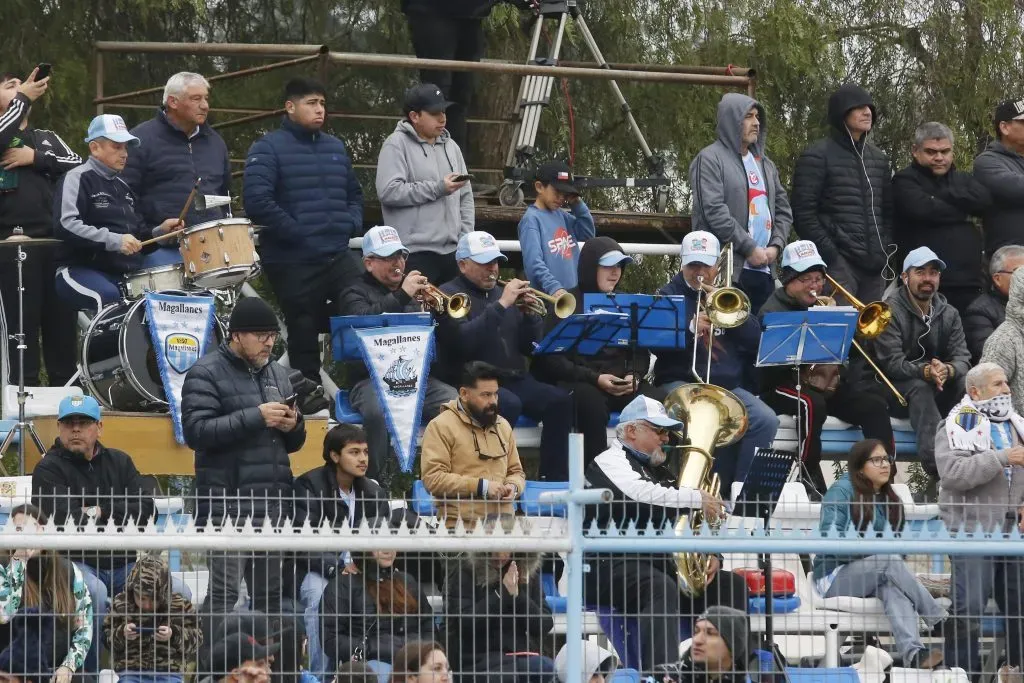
(343, 410)
(422, 503)
(837, 437)
(5, 427)
(843, 674)
(529, 503)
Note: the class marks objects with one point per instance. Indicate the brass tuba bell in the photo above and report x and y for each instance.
(714, 417)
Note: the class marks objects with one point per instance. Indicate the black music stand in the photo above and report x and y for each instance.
(767, 476)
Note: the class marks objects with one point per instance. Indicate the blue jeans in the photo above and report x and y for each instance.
(86, 289)
(310, 592)
(733, 462)
(143, 677)
(102, 583)
(164, 256)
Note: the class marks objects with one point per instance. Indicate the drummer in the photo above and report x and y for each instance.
(98, 221)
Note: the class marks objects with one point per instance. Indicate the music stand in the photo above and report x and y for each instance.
(345, 343)
(586, 334)
(762, 488)
(819, 335)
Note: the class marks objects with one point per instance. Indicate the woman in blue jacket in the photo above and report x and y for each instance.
(864, 497)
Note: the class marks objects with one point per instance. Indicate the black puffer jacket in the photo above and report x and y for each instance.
(1001, 170)
(242, 466)
(553, 368)
(981, 318)
(455, 9)
(841, 194)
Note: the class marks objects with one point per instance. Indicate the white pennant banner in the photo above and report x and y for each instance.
(398, 359)
(179, 327)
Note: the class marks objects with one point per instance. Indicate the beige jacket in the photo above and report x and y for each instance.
(453, 464)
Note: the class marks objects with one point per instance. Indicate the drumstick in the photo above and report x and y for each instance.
(181, 217)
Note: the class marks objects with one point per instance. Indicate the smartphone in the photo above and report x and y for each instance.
(42, 71)
(145, 629)
(463, 177)
(621, 382)
(291, 400)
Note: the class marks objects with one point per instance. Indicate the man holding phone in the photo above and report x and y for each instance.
(424, 187)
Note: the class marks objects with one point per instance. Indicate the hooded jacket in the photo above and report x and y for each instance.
(65, 484)
(981, 318)
(501, 336)
(485, 620)
(349, 618)
(735, 350)
(1005, 347)
(242, 466)
(410, 186)
(719, 182)
(935, 211)
(552, 367)
(453, 9)
(151, 578)
(842, 200)
(909, 342)
(1001, 170)
(457, 455)
(301, 187)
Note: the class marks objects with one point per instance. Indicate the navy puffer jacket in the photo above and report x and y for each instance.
(300, 186)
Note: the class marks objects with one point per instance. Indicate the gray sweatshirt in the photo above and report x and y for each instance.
(1005, 347)
(410, 186)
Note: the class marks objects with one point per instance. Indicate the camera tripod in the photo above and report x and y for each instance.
(535, 96)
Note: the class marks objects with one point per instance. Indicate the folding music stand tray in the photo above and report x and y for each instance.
(345, 345)
(767, 476)
(656, 322)
(585, 334)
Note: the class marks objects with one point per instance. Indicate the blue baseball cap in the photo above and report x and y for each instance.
(920, 257)
(801, 256)
(83, 406)
(111, 127)
(479, 246)
(382, 241)
(648, 410)
(614, 258)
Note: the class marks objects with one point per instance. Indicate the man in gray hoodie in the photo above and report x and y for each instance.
(738, 198)
(423, 185)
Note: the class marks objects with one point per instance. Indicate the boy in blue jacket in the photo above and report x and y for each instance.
(549, 235)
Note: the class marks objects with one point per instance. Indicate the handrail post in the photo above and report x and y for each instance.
(574, 561)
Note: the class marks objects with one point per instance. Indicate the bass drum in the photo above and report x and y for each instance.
(118, 362)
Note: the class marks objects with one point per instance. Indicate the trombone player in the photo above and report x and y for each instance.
(924, 350)
(501, 328)
(824, 389)
(732, 359)
(385, 287)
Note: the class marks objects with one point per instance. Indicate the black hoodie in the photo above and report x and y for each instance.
(841, 198)
(619, 362)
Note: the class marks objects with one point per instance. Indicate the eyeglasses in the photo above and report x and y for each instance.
(484, 456)
(880, 461)
(264, 337)
(658, 431)
(1003, 272)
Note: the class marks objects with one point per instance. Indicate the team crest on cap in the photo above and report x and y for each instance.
(1019, 106)
(563, 175)
(487, 241)
(390, 235)
(77, 402)
(699, 244)
(805, 250)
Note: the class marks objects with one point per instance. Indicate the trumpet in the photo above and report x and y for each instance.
(433, 299)
(564, 305)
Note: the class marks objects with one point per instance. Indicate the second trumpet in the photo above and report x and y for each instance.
(564, 305)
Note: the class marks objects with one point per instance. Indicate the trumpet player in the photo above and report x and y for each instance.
(924, 350)
(385, 287)
(733, 355)
(501, 329)
(824, 389)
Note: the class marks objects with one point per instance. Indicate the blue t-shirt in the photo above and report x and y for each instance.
(550, 243)
(759, 215)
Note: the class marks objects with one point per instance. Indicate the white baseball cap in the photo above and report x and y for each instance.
(920, 257)
(700, 246)
(648, 410)
(111, 127)
(479, 246)
(801, 256)
(382, 241)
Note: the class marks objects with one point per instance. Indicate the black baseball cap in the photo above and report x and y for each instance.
(236, 649)
(558, 175)
(1010, 110)
(425, 97)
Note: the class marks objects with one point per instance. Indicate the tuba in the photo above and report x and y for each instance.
(714, 418)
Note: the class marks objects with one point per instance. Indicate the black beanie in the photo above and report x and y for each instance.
(733, 626)
(253, 314)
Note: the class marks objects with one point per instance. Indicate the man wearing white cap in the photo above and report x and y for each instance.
(98, 221)
(824, 390)
(644, 492)
(385, 287)
(733, 357)
(501, 332)
(924, 350)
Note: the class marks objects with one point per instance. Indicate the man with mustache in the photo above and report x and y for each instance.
(923, 350)
(469, 459)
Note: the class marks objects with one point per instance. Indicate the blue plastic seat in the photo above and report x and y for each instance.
(343, 410)
(626, 676)
(781, 604)
(422, 502)
(843, 674)
(5, 427)
(530, 505)
(525, 422)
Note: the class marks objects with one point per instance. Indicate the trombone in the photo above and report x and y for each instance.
(726, 307)
(564, 305)
(872, 320)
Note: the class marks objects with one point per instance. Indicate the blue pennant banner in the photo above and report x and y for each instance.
(398, 359)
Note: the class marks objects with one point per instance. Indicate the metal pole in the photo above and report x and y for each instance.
(99, 82)
(216, 49)
(574, 562)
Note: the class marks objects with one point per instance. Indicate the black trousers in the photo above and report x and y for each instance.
(647, 588)
(593, 407)
(46, 317)
(857, 403)
(438, 268)
(435, 37)
(308, 295)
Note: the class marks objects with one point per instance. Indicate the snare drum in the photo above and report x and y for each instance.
(118, 362)
(159, 279)
(219, 254)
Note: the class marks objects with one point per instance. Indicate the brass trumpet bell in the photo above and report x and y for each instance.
(727, 307)
(455, 305)
(872, 318)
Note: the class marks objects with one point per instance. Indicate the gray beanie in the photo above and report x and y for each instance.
(734, 627)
